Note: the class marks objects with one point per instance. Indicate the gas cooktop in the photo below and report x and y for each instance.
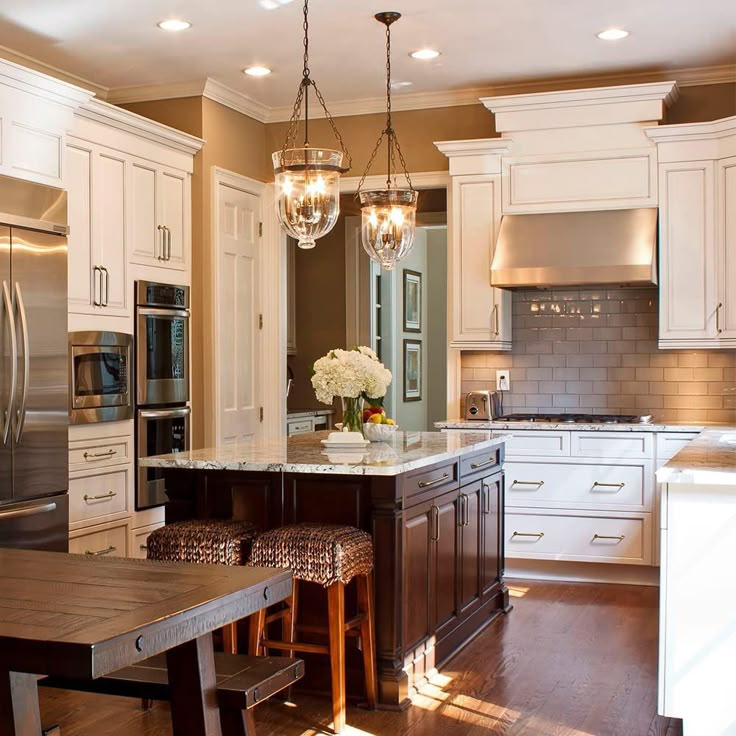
(576, 418)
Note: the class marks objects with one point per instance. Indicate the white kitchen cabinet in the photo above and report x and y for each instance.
(726, 247)
(101, 540)
(95, 178)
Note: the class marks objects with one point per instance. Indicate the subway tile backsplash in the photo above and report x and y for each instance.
(595, 350)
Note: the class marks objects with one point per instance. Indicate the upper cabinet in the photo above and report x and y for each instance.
(481, 314)
(697, 234)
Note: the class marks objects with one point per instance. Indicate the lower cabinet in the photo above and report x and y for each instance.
(138, 548)
(103, 540)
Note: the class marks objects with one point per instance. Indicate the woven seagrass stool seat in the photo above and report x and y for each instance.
(331, 556)
(208, 542)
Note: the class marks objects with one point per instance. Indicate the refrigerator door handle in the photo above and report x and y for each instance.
(43, 507)
(14, 359)
(21, 417)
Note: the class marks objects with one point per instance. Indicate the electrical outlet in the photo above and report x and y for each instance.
(502, 381)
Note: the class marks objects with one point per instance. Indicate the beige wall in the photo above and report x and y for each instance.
(701, 104)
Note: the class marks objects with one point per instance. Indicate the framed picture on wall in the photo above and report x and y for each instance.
(412, 370)
(412, 301)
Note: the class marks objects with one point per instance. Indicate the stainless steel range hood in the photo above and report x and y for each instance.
(616, 247)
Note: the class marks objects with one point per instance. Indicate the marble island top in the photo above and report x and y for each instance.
(570, 426)
(305, 453)
(709, 459)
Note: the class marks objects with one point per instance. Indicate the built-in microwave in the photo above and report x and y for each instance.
(100, 370)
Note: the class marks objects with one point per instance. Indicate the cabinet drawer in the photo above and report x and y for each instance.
(99, 453)
(300, 426)
(579, 485)
(438, 479)
(139, 537)
(624, 445)
(670, 443)
(93, 497)
(580, 538)
(485, 462)
(536, 443)
(109, 540)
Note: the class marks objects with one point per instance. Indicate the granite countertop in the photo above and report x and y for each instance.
(570, 426)
(305, 453)
(709, 459)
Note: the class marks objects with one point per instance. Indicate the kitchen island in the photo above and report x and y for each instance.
(432, 501)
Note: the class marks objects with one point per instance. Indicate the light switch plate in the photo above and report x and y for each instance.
(503, 383)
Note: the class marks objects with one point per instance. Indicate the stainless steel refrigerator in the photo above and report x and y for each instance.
(34, 392)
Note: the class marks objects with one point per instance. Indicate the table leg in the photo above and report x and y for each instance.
(191, 667)
(19, 714)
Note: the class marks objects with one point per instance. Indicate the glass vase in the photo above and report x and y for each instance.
(352, 414)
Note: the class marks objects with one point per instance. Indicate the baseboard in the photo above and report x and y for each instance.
(582, 572)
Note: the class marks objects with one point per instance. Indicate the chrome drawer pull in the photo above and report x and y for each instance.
(527, 483)
(608, 485)
(101, 497)
(101, 552)
(538, 535)
(92, 456)
(427, 483)
(475, 466)
(618, 538)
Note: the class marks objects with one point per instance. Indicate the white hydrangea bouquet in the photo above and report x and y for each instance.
(353, 375)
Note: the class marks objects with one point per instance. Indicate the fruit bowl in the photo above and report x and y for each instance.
(378, 432)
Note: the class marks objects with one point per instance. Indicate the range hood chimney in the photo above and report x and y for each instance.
(607, 247)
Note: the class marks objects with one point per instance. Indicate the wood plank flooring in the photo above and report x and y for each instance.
(571, 659)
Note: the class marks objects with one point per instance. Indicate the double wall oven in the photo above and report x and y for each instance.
(162, 381)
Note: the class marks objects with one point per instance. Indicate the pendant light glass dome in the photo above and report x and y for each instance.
(388, 216)
(308, 179)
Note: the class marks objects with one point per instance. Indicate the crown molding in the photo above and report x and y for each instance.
(683, 132)
(218, 92)
(150, 92)
(474, 146)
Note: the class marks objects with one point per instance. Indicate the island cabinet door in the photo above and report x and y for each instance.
(446, 554)
(469, 545)
(491, 522)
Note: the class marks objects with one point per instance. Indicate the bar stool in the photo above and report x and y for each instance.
(331, 556)
(208, 542)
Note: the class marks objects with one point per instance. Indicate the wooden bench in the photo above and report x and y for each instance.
(242, 682)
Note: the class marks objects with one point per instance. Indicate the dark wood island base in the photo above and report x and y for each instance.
(438, 539)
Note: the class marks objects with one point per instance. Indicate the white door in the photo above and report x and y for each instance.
(236, 342)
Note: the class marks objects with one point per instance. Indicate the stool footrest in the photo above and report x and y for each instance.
(295, 646)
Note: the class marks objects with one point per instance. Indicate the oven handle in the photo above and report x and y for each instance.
(181, 313)
(183, 411)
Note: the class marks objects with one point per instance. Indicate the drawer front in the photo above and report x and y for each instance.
(481, 463)
(584, 485)
(536, 443)
(139, 537)
(86, 455)
(623, 445)
(432, 482)
(579, 538)
(300, 427)
(93, 497)
(670, 443)
(108, 541)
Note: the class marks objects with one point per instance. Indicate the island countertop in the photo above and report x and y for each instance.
(709, 459)
(405, 451)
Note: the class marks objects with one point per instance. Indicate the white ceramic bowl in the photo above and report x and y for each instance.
(378, 432)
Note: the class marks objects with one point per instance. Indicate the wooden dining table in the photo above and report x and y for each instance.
(84, 617)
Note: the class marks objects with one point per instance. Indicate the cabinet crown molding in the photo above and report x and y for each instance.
(130, 122)
(42, 85)
(692, 131)
(474, 147)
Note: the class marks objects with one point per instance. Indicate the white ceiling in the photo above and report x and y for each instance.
(115, 43)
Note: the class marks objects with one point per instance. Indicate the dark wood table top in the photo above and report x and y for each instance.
(84, 617)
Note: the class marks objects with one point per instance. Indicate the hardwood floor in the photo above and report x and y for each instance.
(569, 660)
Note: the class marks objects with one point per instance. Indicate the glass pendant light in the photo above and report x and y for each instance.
(388, 219)
(308, 179)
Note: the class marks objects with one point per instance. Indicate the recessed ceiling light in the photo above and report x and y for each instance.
(257, 71)
(174, 24)
(424, 54)
(612, 34)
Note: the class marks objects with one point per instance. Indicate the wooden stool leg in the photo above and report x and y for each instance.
(146, 703)
(368, 636)
(336, 623)
(237, 722)
(230, 638)
(257, 623)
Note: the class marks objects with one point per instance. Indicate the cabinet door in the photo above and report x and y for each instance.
(146, 238)
(78, 182)
(109, 235)
(491, 537)
(174, 213)
(470, 545)
(687, 242)
(445, 574)
(481, 314)
(726, 183)
(418, 548)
